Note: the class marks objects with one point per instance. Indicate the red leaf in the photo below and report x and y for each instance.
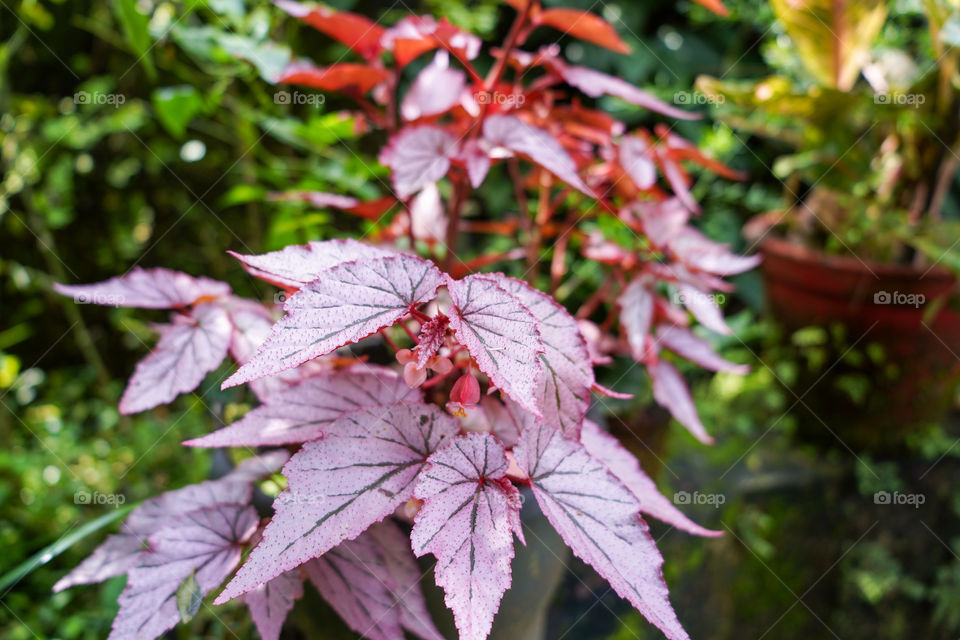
(418, 156)
(344, 304)
(621, 463)
(415, 35)
(345, 77)
(500, 334)
(146, 288)
(359, 473)
(586, 26)
(352, 29)
(371, 210)
(599, 519)
(466, 521)
(714, 5)
(188, 349)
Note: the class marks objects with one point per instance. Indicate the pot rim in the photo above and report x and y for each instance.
(802, 253)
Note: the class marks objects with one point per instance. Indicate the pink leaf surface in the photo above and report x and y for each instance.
(405, 577)
(625, 466)
(662, 221)
(270, 603)
(344, 304)
(303, 412)
(356, 475)
(502, 417)
(296, 265)
(636, 315)
(501, 335)
(564, 388)
(671, 392)
(595, 84)
(704, 308)
(540, 147)
(467, 519)
(477, 161)
(188, 349)
(599, 519)
(699, 252)
(431, 338)
(204, 543)
(436, 89)
(146, 288)
(636, 161)
(695, 349)
(428, 220)
(418, 156)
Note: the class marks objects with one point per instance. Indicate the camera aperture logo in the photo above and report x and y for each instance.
(896, 498)
(299, 97)
(501, 98)
(83, 496)
(97, 97)
(915, 300)
(712, 499)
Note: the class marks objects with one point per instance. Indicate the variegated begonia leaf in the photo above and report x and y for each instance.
(670, 391)
(596, 83)
(564, 387)
(501, 335)
(684, 343)
(302, 412)
(502, 417)
(360, 580)
(599, 519)
(636, 161)
(704, 308)
(436, 89)
(146, 288)
(636, 315)
(431, 338)
(540, 147)
(428, 220)
(625, 466)
(270, 603)
(204, 543)
(296, 265)
(469, 515)
(365, 466)
(344, 304)
(418, 156)
(189, 348)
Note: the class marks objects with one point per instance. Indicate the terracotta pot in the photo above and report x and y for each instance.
(898, 307)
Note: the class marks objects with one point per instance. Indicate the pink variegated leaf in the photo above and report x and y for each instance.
(251, 325)
(662, 221)
(699, 252)
(436, 89)
(188, 349)
(296, 265)
(636, 315)
(671, 392)
(477, 161)
(428, 220)
(695, 349)
(501, 334)
(636, 161)
(270, 603)
(469, 514)
(418, 156)
(345, 304)
(704, 308)
(113, 557)
(146, 288)
(516, 136)
(502, 417)
(625, 466)
(405, 577)
(204, 543)
(564, 388)
(595, 84)
(364, 467)
(431, 338)
(599, 519)
(679, 182)
(303, 412)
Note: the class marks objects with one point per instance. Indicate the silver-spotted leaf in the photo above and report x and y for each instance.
(296, 265)
(146, 288)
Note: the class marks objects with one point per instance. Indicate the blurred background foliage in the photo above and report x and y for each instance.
(173, 171)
